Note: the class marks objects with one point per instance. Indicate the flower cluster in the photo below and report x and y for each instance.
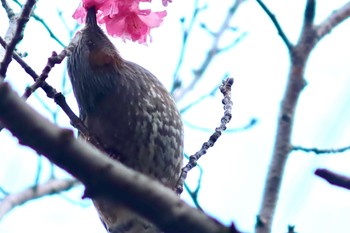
(123, 18)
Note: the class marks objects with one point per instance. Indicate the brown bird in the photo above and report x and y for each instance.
(131, 113)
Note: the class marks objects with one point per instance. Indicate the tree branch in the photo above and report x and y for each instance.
(42, 21)
(8, 9)
(333, 20)
(49, 90)
(21, 23)
(320, 151)
(52, 186)
(101, 175)
(225, 89)
(309, 13)
(334, 178)
(277, 25)
(299, 55)
(179, 93)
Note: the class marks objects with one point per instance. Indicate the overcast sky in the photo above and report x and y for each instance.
(235, 169)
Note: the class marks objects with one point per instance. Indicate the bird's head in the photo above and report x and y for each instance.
(94, 49)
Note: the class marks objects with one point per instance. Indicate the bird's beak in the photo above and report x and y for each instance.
(91, 17)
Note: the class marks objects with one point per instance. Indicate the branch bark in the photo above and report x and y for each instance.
(298, 54)
(101, 175)
(334, 178)
(52, 186)
(18, 35)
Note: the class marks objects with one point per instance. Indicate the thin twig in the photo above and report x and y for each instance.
(38, 171)
(225, 89)
(42, 21)
(320, 151)
(194, 194)
(199, 100)
(250, 124)
(58, 97)
(277, 24)
(233, 43)
(186, 33)
(213, 51)
(20, 61)
(3, 191)
(51, 62)
(50, 187)
(21, 23)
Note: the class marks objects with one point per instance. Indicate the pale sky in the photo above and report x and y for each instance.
(235, 168)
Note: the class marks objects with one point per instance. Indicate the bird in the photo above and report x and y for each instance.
(131, 113)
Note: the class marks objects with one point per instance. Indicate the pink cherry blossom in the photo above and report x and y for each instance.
(123, 18)
(165, 2)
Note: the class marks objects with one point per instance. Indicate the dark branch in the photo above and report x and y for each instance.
(277, 25)
(101, 175)
(40, 20)
(225, 89)
(310, 11)
(51, 93)
(20, 61)
(51, 62)
(334, 178)
(21, 23)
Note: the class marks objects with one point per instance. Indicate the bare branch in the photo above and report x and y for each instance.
(199, 100)
(51, 93)
(334, 178)
(42, 21)
(333, 20)
(3, 191)
(320, 151)
(51, 62)
(101, 175)
(233, 43)
(299, 54)
(309, 13)
(52, 186)
(186, 33)
(194, 194)
(20, 61)
(21, 23)
(225, 88)
(214, 50)
(277, 25)
(8, 9)
(250, 124)
(291, 229)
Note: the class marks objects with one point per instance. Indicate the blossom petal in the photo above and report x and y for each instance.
(80, 14)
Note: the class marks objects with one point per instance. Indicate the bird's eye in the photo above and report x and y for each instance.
(91, 44)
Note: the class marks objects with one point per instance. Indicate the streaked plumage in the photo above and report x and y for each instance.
(131, 113)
